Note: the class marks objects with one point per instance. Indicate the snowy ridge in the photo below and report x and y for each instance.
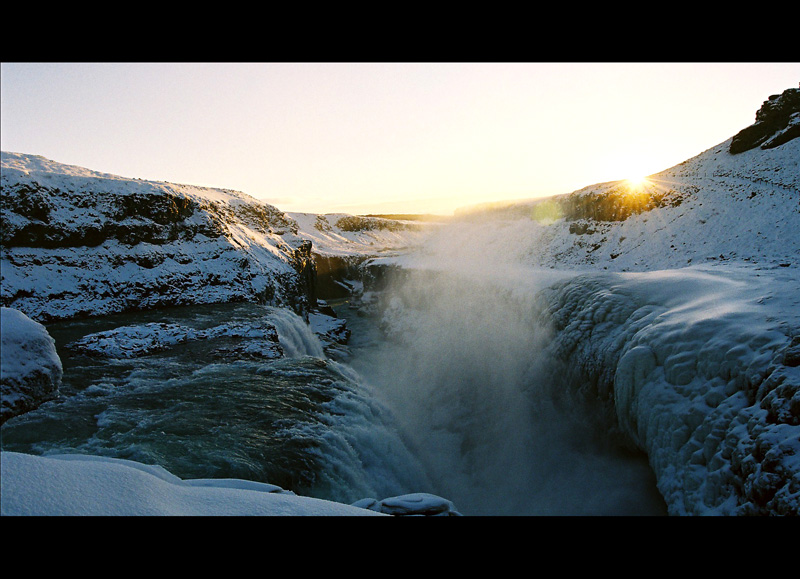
(341, 234)
(715, 207)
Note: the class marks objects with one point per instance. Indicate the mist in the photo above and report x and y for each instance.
(466, 369)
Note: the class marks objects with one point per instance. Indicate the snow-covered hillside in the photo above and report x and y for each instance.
(714, 207)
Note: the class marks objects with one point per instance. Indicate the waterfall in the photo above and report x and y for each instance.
(294, 334)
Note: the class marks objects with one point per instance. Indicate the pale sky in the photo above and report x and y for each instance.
(381, 137)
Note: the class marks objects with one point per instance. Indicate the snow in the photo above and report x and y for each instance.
(85, 485)
(376, 236)
(76, 485)
(30, 369)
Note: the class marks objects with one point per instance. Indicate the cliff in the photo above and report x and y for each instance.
(76, 243)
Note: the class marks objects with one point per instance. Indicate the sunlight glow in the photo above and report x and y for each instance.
(637, 181)
(372, 137)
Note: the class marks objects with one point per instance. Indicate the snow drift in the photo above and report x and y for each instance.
(75, 485)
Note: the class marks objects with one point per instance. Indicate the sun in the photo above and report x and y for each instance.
(636, 181)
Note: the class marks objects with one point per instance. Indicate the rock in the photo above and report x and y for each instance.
(31, 369)
(255, 340)
(336, 274)
(414, 504)
(328, 328)
(776, 123)
(304, 264)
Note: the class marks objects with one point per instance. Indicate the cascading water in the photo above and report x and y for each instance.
(295, 336)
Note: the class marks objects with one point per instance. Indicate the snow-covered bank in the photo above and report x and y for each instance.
(77, 485)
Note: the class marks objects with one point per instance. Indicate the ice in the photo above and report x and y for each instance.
(696, 353)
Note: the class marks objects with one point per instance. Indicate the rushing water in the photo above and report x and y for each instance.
(381, 419)
(202, 409)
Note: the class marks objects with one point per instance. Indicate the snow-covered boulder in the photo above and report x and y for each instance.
(256, 339)
(30, 369)
(413, 504)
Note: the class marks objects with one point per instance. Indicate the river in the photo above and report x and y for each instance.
(453, 413)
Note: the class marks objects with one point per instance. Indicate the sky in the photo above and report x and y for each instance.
(374, 137)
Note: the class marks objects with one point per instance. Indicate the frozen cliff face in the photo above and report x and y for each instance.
(76, 242)
(701, 370)
(31, 369)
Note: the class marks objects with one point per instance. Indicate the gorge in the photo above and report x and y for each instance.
(617, 350)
